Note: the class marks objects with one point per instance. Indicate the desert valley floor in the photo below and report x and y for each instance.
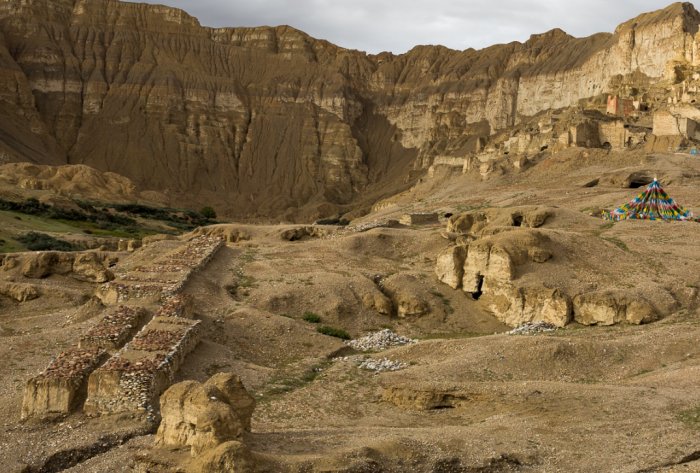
(595, 395)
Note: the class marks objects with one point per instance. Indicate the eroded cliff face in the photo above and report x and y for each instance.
(268, 121)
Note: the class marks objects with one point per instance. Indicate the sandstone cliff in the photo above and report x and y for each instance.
(265, 121)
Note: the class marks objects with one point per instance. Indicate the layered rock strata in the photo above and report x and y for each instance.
(265, 121)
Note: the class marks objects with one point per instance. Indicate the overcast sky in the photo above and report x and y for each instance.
(398, 25)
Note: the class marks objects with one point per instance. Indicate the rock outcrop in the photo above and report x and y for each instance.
(88, 266)
(450, 266)
(19, 292)
(408, 295)
(271, 122)
(205, 416)
(523, 275)
(608, 308)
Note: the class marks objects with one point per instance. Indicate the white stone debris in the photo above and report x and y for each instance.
(383, 364)
(379, 341)
(533, 327)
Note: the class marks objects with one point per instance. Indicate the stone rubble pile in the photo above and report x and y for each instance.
(372, 225)
(533, 327)
(382, 364)
(179, 305)
(114, 330)
(379, 341)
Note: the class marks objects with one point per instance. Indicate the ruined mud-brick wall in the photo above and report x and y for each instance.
(665, 124)
(61, 386)
(419, 219)
(614, 133)
(133, 379)
(115, 328)
(141, 370)
(164, 277)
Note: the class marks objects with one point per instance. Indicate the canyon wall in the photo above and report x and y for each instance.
(269, 122)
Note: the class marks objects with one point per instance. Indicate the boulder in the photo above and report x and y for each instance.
(408, 295)
(303, 233)
(89, 267)
(377, 302)
(228, 457)
(19, 292)
(9, 262)
(470, 222)
(230, 233)
(536, 218)
(85, 266)
(539, 255)
(41, 265)
(608, 308)
(516, 306)
(450, 266)
(204, 416)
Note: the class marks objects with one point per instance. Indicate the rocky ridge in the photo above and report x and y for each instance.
(262, 121)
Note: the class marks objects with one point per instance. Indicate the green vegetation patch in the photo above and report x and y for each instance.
(333, 332)
(311, 317)
(35, 241)
(98, 219)
(283, 385)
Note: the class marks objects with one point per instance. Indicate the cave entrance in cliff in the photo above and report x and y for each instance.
(639, 181)
(517, 220)
(479, 286)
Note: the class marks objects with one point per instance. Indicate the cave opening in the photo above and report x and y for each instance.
(479, 288)
(638, 182)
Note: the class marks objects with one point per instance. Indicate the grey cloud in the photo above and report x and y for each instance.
(398, 25)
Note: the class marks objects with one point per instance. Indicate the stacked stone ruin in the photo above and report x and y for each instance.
(142, 362)
(166, 276)
(133, 379)
(115, 328)
(61, 386)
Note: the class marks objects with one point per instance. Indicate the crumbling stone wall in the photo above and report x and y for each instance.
(166, 276)
(133, 378)
(61, 387)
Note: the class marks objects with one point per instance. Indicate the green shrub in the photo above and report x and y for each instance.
(35, 241)
(208, 213)
(311, 317)
(333, 332)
